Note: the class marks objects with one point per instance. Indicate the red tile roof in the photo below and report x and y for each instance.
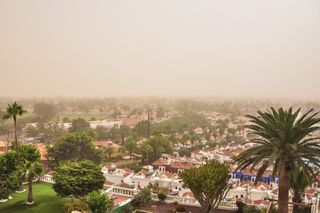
(188, 194)
(106, 144)
(159, 162)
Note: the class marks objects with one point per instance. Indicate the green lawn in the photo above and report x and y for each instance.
(46, 201)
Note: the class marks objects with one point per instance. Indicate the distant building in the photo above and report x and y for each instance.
(169, 163)
(106, 144)
(4, 146)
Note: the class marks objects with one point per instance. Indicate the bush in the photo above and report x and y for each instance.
(162, 196)
(4, 192)
(251, 209)
(79, 204)
(142, 198)
(78, 179)
(184, 152)
(304, 209)
(127, 208)
(135, 168)
(264, 210)
(98, 202)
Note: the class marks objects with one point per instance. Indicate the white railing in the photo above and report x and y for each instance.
(47, 179)
(123, 191)
(170, 198)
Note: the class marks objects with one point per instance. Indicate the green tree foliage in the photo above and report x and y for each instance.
(141, 129)
(45, 111)
(125, 131)
(159, 145)
(186, 122)
(76, 204)
(101, 133)
(144, 197)
(251, 209)
(29, 170)
(146, 151)
(29, 153)
(285, 140)
(119, 133)
(80, 125)
(13, 111)
(208, 183)
(50, 132)
(75, 147)
(109, 151)
(77, 179)
(98, 202)
(162, 196)
(184, 152)
(298, 184)
(8, 179)
(130, 145)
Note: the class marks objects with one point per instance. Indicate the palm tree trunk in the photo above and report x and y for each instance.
(296, 199)
(283, 192)
(16, 137)
(30, 197)
(20, 188)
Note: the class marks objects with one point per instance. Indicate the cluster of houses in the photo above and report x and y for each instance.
(165, 172)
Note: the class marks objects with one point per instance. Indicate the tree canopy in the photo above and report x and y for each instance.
(79, 125)
(98, 202)
(209, 184)
(75, 147)
(185, 122)
(159, 145)
(283, 139)
(77, 178)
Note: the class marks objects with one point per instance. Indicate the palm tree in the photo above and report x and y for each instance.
(193, 138)
(109, 151)
(29, 170)
(283, 140)
(13, 111)
(298, 184)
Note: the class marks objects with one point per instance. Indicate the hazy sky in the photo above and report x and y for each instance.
(262, 48)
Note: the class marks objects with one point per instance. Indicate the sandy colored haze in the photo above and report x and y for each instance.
(262, 48)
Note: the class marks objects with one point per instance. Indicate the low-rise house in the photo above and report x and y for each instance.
(117, 176)
(169, 163)
(104, 123)
(106, 144)
(4, 146)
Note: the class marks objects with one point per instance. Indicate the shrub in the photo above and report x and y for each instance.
(264, 210)
(79, 204)
(251, 209)
(4, 192)
(162, 196)
(142, 198)
(98, 202)
(136, 168)
(184, 152)
(127, 208)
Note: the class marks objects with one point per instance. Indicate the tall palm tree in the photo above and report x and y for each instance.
(193, 138)
(29, 170)
(298, 184)
(283, 140)
(13, 111)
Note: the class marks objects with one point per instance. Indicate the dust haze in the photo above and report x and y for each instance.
(220, 48)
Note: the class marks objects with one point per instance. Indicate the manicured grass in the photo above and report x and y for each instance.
(45, 201)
